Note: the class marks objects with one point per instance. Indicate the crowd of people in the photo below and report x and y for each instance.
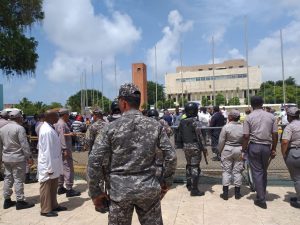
(131, 161)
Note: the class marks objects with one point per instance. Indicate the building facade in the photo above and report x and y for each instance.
(196, 82)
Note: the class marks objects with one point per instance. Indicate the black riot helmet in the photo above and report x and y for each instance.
(191, 109)
(153, 113)
(115, 107)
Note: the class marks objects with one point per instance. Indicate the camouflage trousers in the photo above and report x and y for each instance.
(148, 211)
(193, 159)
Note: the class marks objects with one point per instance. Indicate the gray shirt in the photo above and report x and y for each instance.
(14, 145)
(292, 133)
(260, 125)
(62, 128)
(231, 134)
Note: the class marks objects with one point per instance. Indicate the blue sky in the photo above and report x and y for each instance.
(77, 34)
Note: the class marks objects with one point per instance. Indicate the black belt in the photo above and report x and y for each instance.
(234, 145)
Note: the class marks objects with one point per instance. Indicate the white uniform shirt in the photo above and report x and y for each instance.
(50, 154)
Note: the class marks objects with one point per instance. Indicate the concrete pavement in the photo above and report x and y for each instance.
(178, 208)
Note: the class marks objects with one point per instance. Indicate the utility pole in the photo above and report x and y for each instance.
(102, 104)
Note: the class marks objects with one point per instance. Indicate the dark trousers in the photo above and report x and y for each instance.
(258, 157)
(293, 165)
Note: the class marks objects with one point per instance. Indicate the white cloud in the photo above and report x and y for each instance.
(83, 37)
(268, 54)
(168, 47)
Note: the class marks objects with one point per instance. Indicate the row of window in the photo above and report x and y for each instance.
(218, 77)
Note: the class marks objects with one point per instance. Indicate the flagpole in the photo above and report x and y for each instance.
(102, 103)
(155, 79)
(182, 100)
(282, 67)
(247, 65)
(213, 65)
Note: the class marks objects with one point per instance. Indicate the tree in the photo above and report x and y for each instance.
(54, 105)
(205, 101)
(220, 99)
(151, 90)
(74, 101)
(234, 101)
(185, 101)
(17, 50)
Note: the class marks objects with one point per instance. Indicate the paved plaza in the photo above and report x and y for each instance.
(178, 208)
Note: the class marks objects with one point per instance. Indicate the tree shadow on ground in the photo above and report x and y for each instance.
(33, 199)
(289, 195)
(269, 197)
(74, 202)
(81, 187)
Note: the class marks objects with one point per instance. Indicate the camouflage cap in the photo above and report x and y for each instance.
(293, 111)
(63, 111)
(234, 113)
(97, 111)
(129, 90)
(15, 114)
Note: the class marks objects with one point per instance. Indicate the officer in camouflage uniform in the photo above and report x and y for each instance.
(95, 129)
(130, 142)
(153, 113)
(230, 147)
(115, 111)
(189, 139)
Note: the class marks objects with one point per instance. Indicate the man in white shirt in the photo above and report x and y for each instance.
(49, 165)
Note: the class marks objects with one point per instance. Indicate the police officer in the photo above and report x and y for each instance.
(130, 142)
(290, 147)
(153, 113)
(15, 150)
(3, 122)
(189, 139)
(95, 129)
(260, 141)
(230, 147)
(65, 137)
(115, 111)
(217, 120)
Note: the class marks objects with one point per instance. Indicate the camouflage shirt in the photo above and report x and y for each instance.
(130, 143)
(92, 132)
(189, 134)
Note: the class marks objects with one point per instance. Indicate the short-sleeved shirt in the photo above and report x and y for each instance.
(231, 134)
(292, 133)
(260, 125)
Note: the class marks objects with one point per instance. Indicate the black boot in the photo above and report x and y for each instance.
(237, 192)
(61, 190)
(224, 195)
(195, 191)
(188, 178)
(8, 203)
(23, 205)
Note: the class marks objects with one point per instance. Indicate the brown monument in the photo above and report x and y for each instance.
(139, 78)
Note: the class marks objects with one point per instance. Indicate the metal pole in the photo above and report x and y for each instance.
(102, 104)
(116, 78)
(182, 101)
(92, 86)
(155, 79)
(81, 103)
(264, 93)
(282, 67)
(86, 91)
(247, 65)
(274, 93)
(213, 65)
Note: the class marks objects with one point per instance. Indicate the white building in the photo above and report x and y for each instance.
(197, 81)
